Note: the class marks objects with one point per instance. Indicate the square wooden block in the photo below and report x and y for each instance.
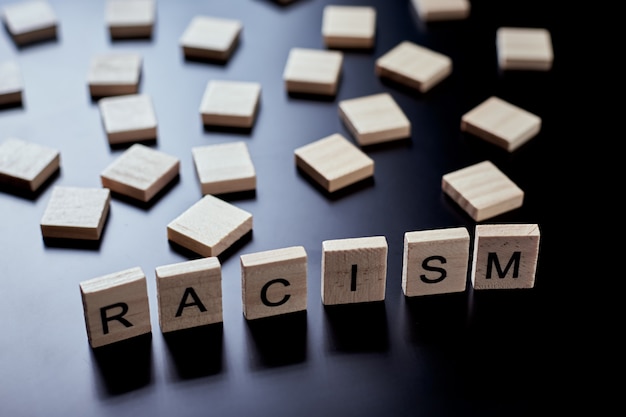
(439, 10)
(127, 19)
(116, 307)
(211, 38)
(11, 83)
(114, 74)
(189, 294)
(30, 21)
(334, 162)
(128, 118)
(230, 103)
(501, 123)
(505, 256)
(140, 172)
(209, 226)
(224, 168)
(274, 282)
(27, 165)
(482, 190)
(76, 213)
(435, 261)
(524, 49)
(414, 66)
(313, 71)
(374, 119)
(349, 26)
(354, 270)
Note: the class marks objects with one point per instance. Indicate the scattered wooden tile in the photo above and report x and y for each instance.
(505, 256)
(30, 21)
(435, 261)
(76, 213)
(128, 118)
(140, 172)
(482, 190)
(349, 26)
(116, 307)
(414, 66)
(224, 168)
(114, 74)
(230, 103)
(524, 49)
(374, 119)
(274, 282)
(334, 162)
(127, 19)
(189, 294)
(354, 270)
(209, 226)
(27, 165)
(211, 38)
(11, 83)
(501, 123)
(439, 10)
(313, 71)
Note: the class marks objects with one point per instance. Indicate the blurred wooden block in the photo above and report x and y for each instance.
(354, 270)
(313, 71)
(274, 282)
(501, 123)
(114, 74)
(76, 213)
(116, 307)
(189, 294)
(209, 226)
(140, 172)
(482, 190)
(524, 49)
(224, 168)
(349, 26)
(211, 38)
(374, 119)
(11, 83)
(127, 19)
(30, 21)
(230, 103)
(505, 256)
(27, 165)
(128, 118)
(439, 10)
(334, 162)
(414, 66)
(435, 261)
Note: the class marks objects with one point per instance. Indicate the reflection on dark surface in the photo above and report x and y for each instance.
(278, 340)
(196, 352)
(359, 327)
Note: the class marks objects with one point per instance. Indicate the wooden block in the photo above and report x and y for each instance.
(30, 21)
(354, 270)
(334, 162)
(140, 172)
(128, 118)
(274, 282)
(189, 294)
(482, 190)
(524, 49)
(211, 38)
(374, 119)
(116, 307)
(76, 213)
(349, 26)
(27, 165)
(11, 83)
(209, 226)
(230, 103)
(414, 66)
(435, 261)
(505, 256)
(127, 19)
(224, 168)
(439, 10)
(114, 74)
(313, 71)
(501, 123)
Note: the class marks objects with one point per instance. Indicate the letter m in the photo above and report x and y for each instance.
(492, 260)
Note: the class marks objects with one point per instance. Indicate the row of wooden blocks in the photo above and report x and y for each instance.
(274, 282)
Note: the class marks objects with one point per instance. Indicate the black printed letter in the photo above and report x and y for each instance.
(492, 259)
(189, 292)
(119, 317)
(427, 267)
(266, 287)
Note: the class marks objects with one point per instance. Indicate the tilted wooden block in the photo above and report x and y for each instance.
(274, 282)
(354, 270)
(189, 294)
(27, 165)
(349, 26)
(482, 190)
(11, 83)
(521, 48)
(116, 307)
(313, 71)
(439, 10)
(114, 74)
(230, 103)
(224, 168)
(128, 118)
(435, 261)
(505, 256)
(211, 38)
(30, 21)
(127, 19)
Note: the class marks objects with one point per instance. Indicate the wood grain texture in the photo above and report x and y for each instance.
(27, 165)
(11, 83)
(30, 21)
(113, 74)
(313, 71)
(525, 49)
(349, 26)
(129, 19)
(440, 10)
(128, 118)
(230, 103)
(224, 168)
(211, 38)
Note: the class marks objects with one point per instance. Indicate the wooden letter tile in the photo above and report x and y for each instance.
(349, 26)
(274, 282)
(27, 165)
(11, 83)
(210, 38)
(30, 21)
(189, 294)
(524, 49)
(313, 71)
(116, 307)
(230, 103)
(505, 256)
(128, 19)
(439, 10)
(128, 118)
(114, 74)
(354, 270)
(224, 168)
